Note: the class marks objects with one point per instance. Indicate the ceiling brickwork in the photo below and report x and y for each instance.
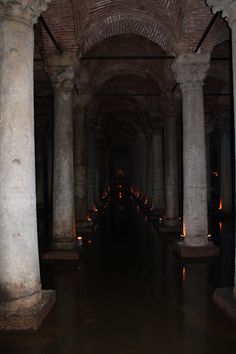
(125, 88)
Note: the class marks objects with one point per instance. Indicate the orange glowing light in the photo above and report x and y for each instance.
(221, 205)
(184, 230)
(221, 226)
(184, 274)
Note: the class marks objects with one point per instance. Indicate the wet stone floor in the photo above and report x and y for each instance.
(130, 295)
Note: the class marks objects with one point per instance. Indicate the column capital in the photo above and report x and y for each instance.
(190, 70)
(62, 79)
(228, 8)
(26, 11)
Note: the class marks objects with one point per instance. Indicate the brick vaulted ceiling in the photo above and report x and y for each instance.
(95, 28)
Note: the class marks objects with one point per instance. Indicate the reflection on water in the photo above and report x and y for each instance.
(129, 294)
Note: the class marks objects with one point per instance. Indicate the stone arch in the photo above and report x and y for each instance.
(137, 24)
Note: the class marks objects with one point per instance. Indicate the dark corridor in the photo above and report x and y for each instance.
(130, 295)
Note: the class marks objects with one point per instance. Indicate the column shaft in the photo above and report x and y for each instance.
(20, 285)
(158, 171)
(171, 171)
(63, 172)
(81, 172)
(190, 71)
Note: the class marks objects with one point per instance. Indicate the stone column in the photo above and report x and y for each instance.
(99, 138)
(225, 163)
(158, 170)
(149, 167)
(22, 303)
(190, 71)
(228, 8)
(81, 164)
(91, 164)
(171, 169)
(63, 172)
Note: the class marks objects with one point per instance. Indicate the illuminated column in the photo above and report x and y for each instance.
(63, 172)
(171, 170)
(81, 163)
(225, 163)
(23, 304)
(190, 71)
(157, 170)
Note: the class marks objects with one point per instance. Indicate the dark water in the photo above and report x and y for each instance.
(130, 295)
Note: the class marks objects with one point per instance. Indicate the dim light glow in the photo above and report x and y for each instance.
(79, 238)
(184, 274)
(221, 226)
(95, 209)
(89, 219)
(184, 230)
(221, 205)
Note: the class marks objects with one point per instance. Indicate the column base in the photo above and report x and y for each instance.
(27, 318)
(185, 251)
(224, 298)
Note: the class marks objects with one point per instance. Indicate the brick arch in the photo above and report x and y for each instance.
(124, 69)
(127, 23)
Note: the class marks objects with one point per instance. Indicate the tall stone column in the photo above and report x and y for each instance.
(81, 163)
(99, 136)
(23, 304)
(63, 172)
(91, 164)
(149, 166)
(223, 297)
(190, 71)
(171, 169)
(158, 170)
(225, 163)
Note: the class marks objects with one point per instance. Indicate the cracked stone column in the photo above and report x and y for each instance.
(190, 70)
(81, 164)
(171, 169)
(23, 304)
(158, 170)
(63, 173)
